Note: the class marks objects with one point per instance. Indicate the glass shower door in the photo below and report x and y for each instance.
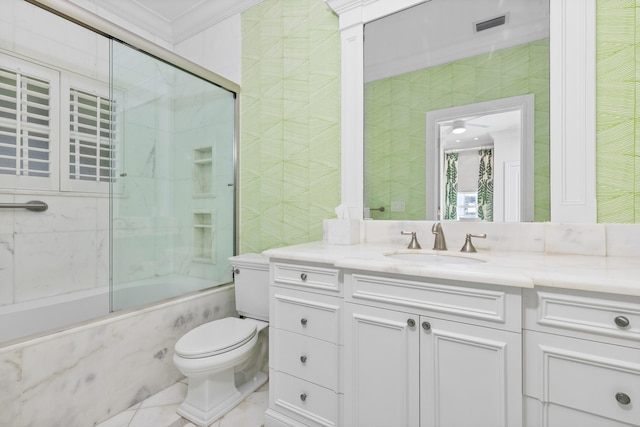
(173, 199)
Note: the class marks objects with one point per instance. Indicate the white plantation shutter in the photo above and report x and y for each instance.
(57, 130)
(25, 125)
(91, 137)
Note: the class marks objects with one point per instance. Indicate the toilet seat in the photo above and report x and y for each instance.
(217, 337)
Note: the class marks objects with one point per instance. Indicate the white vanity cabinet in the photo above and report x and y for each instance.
(425, 353)
(305, 345)
(582, 359)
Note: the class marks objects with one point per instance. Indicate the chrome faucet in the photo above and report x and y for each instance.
(413, 244)
(439, 243)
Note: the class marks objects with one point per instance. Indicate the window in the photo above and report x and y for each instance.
(71, 148)
(90, 133)
(28, 124)
(89, 156)
(467, 205)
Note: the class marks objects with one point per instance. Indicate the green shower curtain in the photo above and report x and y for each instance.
(485, 185)
(451, 186)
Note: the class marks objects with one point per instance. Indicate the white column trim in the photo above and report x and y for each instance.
(353, 15)
(572, 111)
(352, 121)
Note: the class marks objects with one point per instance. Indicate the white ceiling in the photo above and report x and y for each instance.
(174, 20)
(441, 31)
(481, 127)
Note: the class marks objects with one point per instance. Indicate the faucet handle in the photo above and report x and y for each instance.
(468, 246)
(414, 241)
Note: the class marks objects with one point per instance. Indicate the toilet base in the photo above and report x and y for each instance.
(208, 389)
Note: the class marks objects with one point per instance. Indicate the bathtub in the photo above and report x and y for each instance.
(52, 313)
(46, 315)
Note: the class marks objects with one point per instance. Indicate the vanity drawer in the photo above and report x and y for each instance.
(311, 315)
(486, 305)
(306, 358)
(305, 401)
(588, 376)
(307, 276)
(606, 315)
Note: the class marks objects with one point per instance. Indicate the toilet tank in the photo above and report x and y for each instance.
(251, 276)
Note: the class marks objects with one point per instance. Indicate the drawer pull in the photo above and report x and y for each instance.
(303, 277)
(303, 321)
(623, 398)
(303, 359)
(303, 397)
(426, 326)
(411, 323)
(621, 321)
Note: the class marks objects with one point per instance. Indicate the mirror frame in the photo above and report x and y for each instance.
(571, 97)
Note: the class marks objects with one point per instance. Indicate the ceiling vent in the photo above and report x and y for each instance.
(490, 23)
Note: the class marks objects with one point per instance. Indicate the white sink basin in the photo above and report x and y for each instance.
(433, 258)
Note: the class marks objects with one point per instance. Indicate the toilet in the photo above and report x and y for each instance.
(223, 359)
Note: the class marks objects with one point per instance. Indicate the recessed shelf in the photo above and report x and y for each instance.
(203, 177)
(203, 237)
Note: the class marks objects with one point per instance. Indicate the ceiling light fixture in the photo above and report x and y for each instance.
(458, 127)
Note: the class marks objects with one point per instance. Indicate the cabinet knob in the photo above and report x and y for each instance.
(623, 398)
(303, 397)
(411, 323)
(303, 321)
(303, 359)
(621, 321)
(426, 326)
(303, 277)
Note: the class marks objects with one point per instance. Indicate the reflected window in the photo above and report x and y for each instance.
(467, 207)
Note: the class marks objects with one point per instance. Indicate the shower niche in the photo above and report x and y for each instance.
(203, 185)
(204, 237)
(203, 177)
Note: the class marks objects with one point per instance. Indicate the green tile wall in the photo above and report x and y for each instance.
(395, 121)
(289, 123)
(617, 118)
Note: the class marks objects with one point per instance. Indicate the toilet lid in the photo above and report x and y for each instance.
(219, 336)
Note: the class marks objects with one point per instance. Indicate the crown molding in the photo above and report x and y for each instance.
(205, 16)
(173, 31)
(357, 12)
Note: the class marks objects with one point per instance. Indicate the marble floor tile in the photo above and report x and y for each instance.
(159, 410)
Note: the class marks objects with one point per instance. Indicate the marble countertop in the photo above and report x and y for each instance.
(613, 274)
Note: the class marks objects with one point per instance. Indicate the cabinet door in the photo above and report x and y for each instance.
(469, 375)
(381, 368)
(576, 379)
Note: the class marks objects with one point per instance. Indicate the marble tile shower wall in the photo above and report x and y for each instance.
(64, 249)
(203, 129)
(170, 120)
(95, 371)
(141, 213)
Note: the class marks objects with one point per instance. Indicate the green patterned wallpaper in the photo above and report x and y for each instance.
(289, 123)
(395, 121)
(618, 116)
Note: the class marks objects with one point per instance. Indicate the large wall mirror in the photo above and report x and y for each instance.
(456, 112)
